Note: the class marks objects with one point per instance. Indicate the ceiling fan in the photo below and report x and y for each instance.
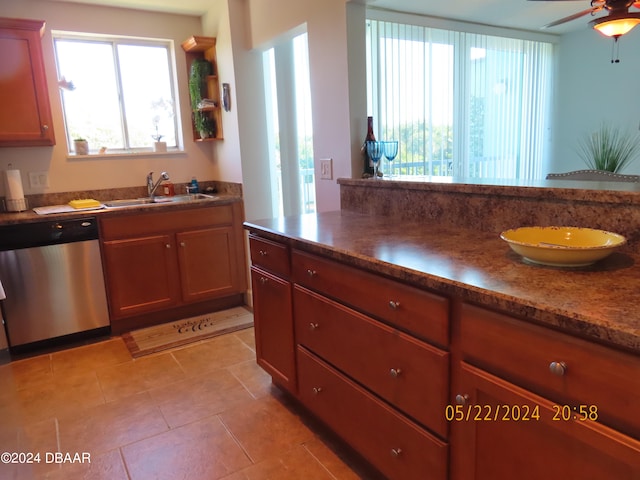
(616, 23)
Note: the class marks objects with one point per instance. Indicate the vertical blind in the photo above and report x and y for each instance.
(459, 103)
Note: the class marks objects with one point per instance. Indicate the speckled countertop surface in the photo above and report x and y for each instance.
(598, 302)
(29, 216)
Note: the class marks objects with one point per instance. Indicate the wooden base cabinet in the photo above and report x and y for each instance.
(531, 403)
(394, 445)
(513, 433)
(160, 260)
(272, 311)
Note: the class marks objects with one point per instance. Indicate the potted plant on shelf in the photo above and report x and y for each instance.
(81, 146)
(205, 125)
(609, 149)
(200, 69)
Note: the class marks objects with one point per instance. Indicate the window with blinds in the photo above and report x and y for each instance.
(460, 104)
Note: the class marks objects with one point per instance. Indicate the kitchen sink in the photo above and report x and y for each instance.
(133, 202)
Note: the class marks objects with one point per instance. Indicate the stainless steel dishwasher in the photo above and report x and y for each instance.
(52, 277)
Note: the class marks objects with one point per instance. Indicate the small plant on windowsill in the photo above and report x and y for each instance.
(81, 146)
(158, 144)
(609, 149)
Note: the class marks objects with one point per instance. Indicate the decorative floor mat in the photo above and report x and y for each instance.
(182, 332)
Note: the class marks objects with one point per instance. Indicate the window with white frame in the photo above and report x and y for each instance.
(460, 104)
(117, 93)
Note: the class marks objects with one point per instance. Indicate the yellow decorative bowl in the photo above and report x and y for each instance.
(562, 246)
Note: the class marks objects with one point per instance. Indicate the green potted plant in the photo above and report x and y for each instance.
(200, 69)
(81, 146)
(609, 149)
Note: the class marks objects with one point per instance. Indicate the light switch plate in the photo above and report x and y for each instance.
(326, 168)
(38, 179)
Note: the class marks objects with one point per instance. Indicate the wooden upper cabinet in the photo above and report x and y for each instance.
(25, 116)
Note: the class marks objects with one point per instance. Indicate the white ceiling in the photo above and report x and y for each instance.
(521, 14)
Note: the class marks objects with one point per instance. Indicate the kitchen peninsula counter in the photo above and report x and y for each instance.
(599, 302)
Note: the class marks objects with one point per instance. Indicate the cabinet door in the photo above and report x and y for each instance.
(25, 116)
(486, 446)
(273, 321)
(141, 275)
(208, 267)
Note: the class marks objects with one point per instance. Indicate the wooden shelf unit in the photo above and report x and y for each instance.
(198, 47)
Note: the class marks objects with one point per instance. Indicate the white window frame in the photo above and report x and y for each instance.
(114, 41)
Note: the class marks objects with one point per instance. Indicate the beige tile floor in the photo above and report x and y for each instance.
(204, 411)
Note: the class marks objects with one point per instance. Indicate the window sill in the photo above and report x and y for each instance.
(133, 153)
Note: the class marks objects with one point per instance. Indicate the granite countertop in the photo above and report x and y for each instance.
(29, 216)
(599, 302)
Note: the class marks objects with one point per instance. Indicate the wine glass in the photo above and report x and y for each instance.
(374, 150)
(390, 152)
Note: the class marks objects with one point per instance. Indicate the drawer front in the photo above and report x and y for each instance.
(271, 256)
(423, 314)
(389, 441)
(584, 373)
(408, 373)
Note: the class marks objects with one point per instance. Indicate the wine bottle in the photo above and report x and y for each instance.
(368, 164)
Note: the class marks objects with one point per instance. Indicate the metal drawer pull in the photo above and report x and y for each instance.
(395, 452)
(462, 399)
(262, 253)
(263, 280)
(558, 368)
(313, 326)
(394, 305)
(395, 372)
(311, 273)
(317, 390)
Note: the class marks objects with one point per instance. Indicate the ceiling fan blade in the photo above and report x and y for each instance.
(572, 17)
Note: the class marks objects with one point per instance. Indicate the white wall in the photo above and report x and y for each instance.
(68, 174)
(326, 23)
(591, 90)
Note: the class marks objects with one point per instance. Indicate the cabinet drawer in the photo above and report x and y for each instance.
(408, 373)
(423, 314)
(270, 255)
(585, 373)
(393, 444)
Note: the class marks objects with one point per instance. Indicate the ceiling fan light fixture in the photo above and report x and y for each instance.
(616, 26)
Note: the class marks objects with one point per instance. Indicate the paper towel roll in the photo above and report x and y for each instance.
(14, 185)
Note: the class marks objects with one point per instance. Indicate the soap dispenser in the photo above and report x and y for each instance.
(195, 188)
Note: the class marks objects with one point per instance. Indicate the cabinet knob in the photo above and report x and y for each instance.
(316, 390)
(263, 280)
(45, 127)
(395, 452)
(558, 368)
(182, 244)
(168, 245)
(262, 253)
(394, 305)
(395, 372)
(313, 326)
(462, 399)
(311, 273)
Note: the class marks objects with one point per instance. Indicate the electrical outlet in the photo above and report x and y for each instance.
(38, 179)
(326, 168)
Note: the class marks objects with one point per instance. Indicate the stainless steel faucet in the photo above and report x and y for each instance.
(152, 187)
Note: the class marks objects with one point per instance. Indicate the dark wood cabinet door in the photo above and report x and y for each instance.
(208, 266)
(142, 275)
(491, 444)
(25, 116)
(273, 321)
